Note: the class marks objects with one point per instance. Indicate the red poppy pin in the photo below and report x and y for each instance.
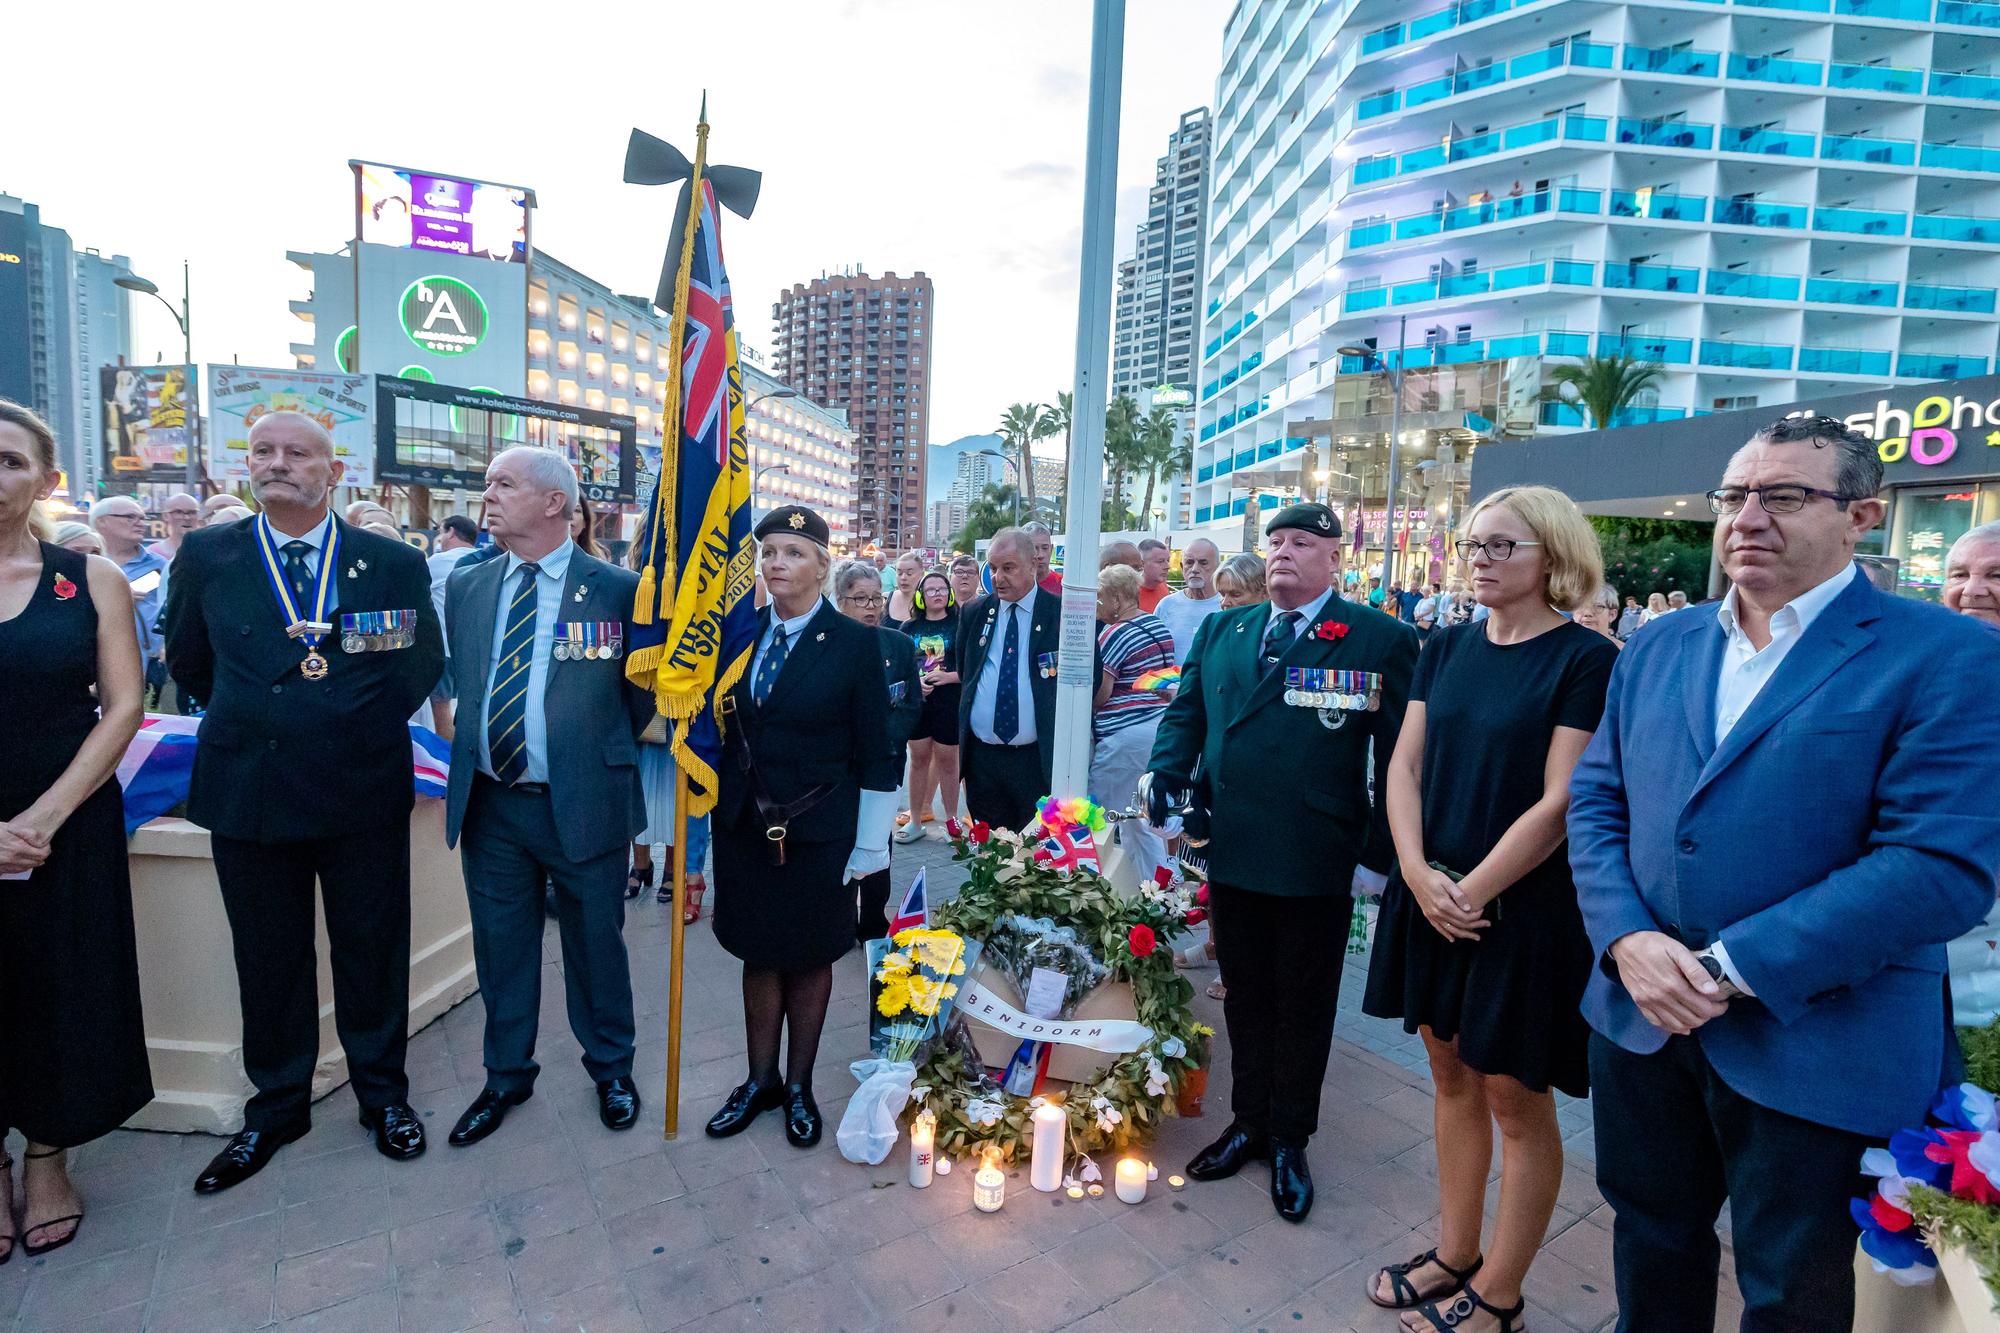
(1331, 630)
(64, 589)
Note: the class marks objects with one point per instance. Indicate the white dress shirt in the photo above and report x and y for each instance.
(793, 628)
(548, 608)
(315, 541)
(1308, 614)
(987, 691)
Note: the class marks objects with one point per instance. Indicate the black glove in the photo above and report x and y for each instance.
(1161, 800)
(1195, 825)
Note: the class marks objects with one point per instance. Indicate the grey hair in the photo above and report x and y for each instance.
(850, 572)
(312, 426)
(1858, 466)
(1606, 595)
(1985, 532)
(102, 509)
(1151, 544)
(1119, 585)
(546, 469)
(1247, 569)
(1037, 528)
(1019, 538)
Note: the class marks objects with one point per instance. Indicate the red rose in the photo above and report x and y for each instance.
(1201, 895)
(64, 589)
(1331, 630)
(981, 830)
(1142, 941)
(1197, 915)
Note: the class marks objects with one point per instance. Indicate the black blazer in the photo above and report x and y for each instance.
(826, 721)
(282, 758)
(594, 714)
(1289, 795)
(899, 664)
(976, 626)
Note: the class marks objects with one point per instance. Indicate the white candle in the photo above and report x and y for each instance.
(923, 1149)
(1045, 1165)
(1131, 1183)
(989, 1187)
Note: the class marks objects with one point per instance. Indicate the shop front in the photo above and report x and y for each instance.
(1940, 448)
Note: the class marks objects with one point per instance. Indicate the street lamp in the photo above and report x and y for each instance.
(1007, 462)
(767, 397)
(757, 475)
(132, 282)
(1395, 373)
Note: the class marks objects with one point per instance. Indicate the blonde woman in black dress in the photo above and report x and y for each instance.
(72, 1042)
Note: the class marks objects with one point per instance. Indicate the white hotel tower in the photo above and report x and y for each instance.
(1773, 199)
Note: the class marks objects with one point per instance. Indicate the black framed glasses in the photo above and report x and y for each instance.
(876, 599)
(1499, 548)
(1775, 499)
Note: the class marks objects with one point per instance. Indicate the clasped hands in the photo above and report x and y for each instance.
(1445, 903)
(1666, 981)
(22, 847)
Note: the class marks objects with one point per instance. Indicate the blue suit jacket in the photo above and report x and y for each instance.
(1843, 831)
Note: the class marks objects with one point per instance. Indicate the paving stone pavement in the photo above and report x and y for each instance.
(557, 1223)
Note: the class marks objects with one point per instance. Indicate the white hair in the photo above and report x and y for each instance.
(1985, 532)
(544, 468)
(312, 426)
(105, 508)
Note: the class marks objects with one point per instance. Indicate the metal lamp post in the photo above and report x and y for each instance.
(757, 474)
(1395, 374)
(132, 282)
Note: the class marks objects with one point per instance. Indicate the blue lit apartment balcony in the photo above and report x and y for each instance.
(1569, 414)
(1673, 60)
(1980, 87)
(1765, 142)
(1752, 286)
(1759, 213)
(1776, 69)
(1746, 356)
(1658, 206)
(1961, 157)
(1651, 277)
(1512, 209)
(1962, 300)
(1866, 148)
(1968, 13)
(1860, 221)
(1946, 227)
(1665, 133)
(1641, 347)
(1874, 78)
(1929, 366)
(1844, 291)
(1842, 361)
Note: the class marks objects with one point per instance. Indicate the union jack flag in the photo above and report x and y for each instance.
(1068, 850)
(915, 909)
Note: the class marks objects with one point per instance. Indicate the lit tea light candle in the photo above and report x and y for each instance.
(1075, 1191)
(1152, 1172)
(1131, 1183)
(1045, 1163)
(923, 1149)
(1096, 1191)
(1177, 1182)
(989, 1187)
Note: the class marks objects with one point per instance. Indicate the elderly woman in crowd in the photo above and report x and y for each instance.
(1481, 948)
(1601, 613)
(1972, 588)
(78, 537)
(1240, 581)
(72, 1042)
(934, 742)
(807, 756)
(857, 591)
(1132, 646)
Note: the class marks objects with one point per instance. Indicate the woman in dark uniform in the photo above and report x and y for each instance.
(807, 798)
(857, 591)
(72, 1040)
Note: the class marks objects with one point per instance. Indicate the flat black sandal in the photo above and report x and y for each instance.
(1407, 1297)
(1450, 1314)
(29, 1247)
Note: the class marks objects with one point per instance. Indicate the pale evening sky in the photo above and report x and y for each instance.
(942, 135)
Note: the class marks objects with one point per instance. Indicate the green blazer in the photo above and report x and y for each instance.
(1289, 795)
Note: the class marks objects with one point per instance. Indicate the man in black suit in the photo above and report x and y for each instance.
(1280, 706)
(545, 783)
(1007, 645)
(313, 642)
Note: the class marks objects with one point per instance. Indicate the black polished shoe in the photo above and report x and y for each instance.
(618, 1103)
(244, 1156)
(745, 1104)
(1291, 1181)
(399, 1135)
(1226, 1156)
(481, 1118)
(802, 1119)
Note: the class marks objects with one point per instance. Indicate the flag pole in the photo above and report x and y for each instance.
(678, 936)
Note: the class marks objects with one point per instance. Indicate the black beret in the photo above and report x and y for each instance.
(796, 520)
(1307, 517)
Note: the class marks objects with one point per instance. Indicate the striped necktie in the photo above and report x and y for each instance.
(507, 704)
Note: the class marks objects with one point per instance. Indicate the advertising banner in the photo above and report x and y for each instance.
(149, 416)
(442, 436)
(413, 210)
(239, 395)
(426, 315)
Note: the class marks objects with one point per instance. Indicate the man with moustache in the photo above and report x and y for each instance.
(312, 642)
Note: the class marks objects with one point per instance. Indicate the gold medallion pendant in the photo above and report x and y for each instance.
(314, 667)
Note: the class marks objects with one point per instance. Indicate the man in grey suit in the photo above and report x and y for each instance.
(544, 783)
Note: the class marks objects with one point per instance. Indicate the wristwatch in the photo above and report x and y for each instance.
(1713, 966)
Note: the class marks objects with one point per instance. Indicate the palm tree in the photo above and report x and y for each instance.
(1603, 386)
(993, 510)
(1122, 444)
(1160, 452)
(1060, 417)
(1020, 427)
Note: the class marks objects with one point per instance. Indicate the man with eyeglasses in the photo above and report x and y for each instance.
(120, 522)
(1784, 816)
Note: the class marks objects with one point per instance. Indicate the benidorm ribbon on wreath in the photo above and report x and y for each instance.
(1118, 1036)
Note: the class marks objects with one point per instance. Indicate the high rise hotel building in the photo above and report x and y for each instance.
(1158, 308)
(862, 343)
(1774, 200)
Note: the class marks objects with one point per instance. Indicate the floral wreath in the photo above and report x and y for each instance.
(1125, 1101)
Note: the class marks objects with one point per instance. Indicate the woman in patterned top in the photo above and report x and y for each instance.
(1136, 648)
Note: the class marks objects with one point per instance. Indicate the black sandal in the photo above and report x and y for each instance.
(1467, 1303)
(634, 886)
(1407, 1297)
(28, 1247)
(7, 1208)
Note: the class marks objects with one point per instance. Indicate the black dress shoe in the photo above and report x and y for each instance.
(244, 1156)
(1291, 1181)
(399, 1135)
(1226, 1156)
(618, 1103)
(745, 1104)
(802, 1119)
(481, 1118)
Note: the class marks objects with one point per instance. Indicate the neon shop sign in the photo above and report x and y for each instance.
(1931, 432)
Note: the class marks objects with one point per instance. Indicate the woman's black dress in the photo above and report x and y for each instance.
(1511, 996)
(824, 725)
(936, 642)
(72, 1040)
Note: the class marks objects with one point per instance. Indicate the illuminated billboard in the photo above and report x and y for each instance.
(457, 321)
(443, 436)
(414, 210)
(148, 417)
(239, 395)
(16, 363)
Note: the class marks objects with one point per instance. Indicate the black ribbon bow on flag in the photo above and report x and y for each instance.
(651, 161)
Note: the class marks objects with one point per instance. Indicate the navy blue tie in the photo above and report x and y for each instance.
(1007, 689)
(1279, 636)
(507, 704)
(767, 674)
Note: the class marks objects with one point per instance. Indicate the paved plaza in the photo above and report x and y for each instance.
(557, 1223)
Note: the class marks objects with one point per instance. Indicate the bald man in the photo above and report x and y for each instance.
(1182, 612)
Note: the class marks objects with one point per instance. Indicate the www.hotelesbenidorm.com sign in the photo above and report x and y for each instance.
(1930, 432)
